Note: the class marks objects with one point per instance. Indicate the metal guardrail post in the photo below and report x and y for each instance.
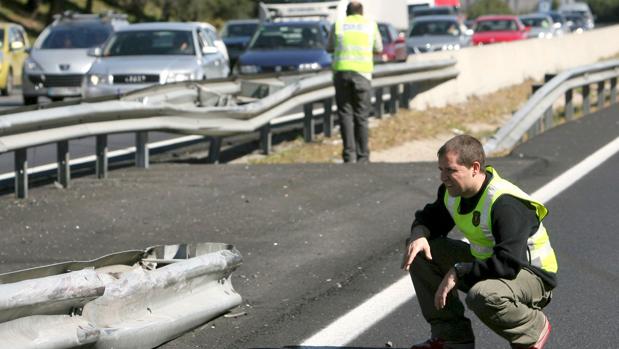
(601, 94)
(394, 99)
(328, 117)
(141, 149)
(406, 96)
(214, 150)
(266, 139)
(309, 124)
(64, 168)
(21, 173)
(101, 152)
(586, 99)
(569, 104)
(613, 90)
(379, 106)
(548, 121)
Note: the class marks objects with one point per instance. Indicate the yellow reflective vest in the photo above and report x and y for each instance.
(354, 44)
(476, 225)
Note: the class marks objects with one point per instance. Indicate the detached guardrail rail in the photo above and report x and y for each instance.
(217, 109)
(132, 299)
(537, 114)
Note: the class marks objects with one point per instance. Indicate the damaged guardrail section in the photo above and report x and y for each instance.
(132, 299)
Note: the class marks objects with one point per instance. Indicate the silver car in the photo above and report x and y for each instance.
(58, 59)
(540, 25)
(437, 33)
(144, 54)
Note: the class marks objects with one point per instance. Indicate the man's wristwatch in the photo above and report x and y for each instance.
(460, 270)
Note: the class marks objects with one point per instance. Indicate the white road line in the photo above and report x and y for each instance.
(569, 177)
(349, 326)
(352, 324)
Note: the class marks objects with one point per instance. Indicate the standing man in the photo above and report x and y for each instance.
(508, 268)
(353, 41)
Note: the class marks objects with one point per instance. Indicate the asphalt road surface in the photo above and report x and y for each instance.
(320, 239)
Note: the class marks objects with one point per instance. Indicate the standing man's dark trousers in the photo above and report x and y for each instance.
(353, 98)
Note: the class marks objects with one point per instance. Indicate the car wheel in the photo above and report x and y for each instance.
(31, 100)
(8, 90)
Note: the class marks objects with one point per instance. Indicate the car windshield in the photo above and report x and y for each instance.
(76, 37)
(536, 22)
(431, 11)
(295, 37)
(150, 42)
(578, 19)
(496, 25)
(434, 28)
(239, 29)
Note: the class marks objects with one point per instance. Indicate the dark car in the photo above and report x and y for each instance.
(394, 44)
(286, 46)
(236, 34)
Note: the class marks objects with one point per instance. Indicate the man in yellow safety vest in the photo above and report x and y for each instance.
(353, 41)
(507, 268)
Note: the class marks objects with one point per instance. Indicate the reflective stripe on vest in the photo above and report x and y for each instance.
(354, 44)
(476, 226)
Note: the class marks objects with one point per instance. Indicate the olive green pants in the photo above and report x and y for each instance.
(511, 308)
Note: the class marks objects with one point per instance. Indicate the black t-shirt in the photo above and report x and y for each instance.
(513, 222)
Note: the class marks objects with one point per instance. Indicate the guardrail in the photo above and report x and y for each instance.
(131, 299)
(538, 114)
(216, 109)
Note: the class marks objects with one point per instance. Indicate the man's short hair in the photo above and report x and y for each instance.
(354, 8)
(468, 148)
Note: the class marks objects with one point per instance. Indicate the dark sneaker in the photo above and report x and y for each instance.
(541, 341)
(437, 343)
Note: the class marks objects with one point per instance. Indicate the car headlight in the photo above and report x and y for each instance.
(309, 66)
(99, 79)
(249, 69)
(177, 77)
(31, 64)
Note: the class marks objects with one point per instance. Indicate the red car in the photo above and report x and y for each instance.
(492, 29)
(394, 45)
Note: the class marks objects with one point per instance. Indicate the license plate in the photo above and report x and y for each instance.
(64, 91)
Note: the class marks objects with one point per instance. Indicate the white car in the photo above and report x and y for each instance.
(140, 55)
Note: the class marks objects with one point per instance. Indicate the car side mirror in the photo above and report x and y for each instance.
(526, 29)
(17, 45)
(95, 52)
(400, 39)
(207, 50)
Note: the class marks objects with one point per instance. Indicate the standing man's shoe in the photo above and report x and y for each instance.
(437, 343)
(541, 341)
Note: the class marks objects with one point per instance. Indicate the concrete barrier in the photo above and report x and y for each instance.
(485, 69)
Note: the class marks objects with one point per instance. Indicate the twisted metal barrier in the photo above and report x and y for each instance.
(217, 109)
